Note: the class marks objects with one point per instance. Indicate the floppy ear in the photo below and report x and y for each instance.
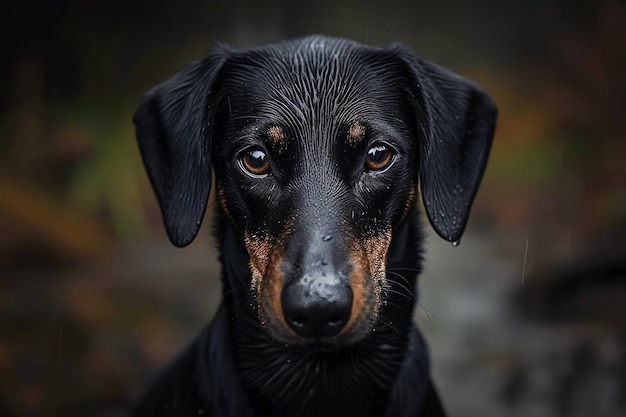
(173, 129)
(456, 122)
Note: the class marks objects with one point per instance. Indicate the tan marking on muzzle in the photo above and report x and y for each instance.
(266, 257)
(368, 278)
(259, 250)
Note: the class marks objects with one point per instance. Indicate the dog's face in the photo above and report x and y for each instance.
(317, 146)
(315, 164)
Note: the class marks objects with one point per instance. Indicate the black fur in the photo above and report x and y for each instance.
(313, 204)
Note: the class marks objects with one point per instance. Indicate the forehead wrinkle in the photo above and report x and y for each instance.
(338, 103)
(317, 76)
(315, 90)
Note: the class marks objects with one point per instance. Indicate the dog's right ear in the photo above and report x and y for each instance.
(173, 128)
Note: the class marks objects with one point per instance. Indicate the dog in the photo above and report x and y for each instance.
(318, 147)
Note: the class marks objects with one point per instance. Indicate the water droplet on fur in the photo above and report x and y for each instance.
(327, 238)
(456, 243)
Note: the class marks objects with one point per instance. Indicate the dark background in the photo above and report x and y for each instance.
(526, 318)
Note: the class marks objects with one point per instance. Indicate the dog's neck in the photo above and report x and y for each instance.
(318, 382)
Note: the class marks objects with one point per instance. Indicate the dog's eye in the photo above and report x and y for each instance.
(255, 162)
(379, 157)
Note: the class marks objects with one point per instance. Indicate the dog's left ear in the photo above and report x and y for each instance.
(174, 134)
(456, 123)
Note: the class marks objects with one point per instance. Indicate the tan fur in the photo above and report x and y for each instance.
(276, 135)
(356, 133)
(368, 278)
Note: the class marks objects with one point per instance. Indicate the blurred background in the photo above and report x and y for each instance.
(526, 318)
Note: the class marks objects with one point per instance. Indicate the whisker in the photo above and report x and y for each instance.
(219, 301)
(429, 313)
(408, 283)
(398, 306)
(419, 271)
(379, 320)
(407, 258)
(402, 286)
(407, 296)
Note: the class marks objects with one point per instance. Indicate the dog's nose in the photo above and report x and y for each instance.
(317, 306)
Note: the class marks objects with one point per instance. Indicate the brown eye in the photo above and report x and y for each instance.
(255, 162)
(378, 158)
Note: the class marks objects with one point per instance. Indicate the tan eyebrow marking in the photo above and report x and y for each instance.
(356, 133)
(276, 135)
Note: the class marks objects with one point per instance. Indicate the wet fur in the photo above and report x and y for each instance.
(315, 104)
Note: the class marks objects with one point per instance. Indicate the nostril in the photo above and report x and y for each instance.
(315, 322)
(297, 321)
(314, 314)
(334, 321)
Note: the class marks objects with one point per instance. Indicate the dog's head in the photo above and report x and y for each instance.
(318, 147)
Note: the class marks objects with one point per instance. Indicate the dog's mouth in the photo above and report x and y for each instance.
(315, 345)
(319, 302)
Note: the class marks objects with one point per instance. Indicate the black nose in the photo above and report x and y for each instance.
(316, 306)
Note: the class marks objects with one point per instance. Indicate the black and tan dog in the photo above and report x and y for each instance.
(317, 146)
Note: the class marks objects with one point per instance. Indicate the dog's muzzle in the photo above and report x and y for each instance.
(316, 298)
